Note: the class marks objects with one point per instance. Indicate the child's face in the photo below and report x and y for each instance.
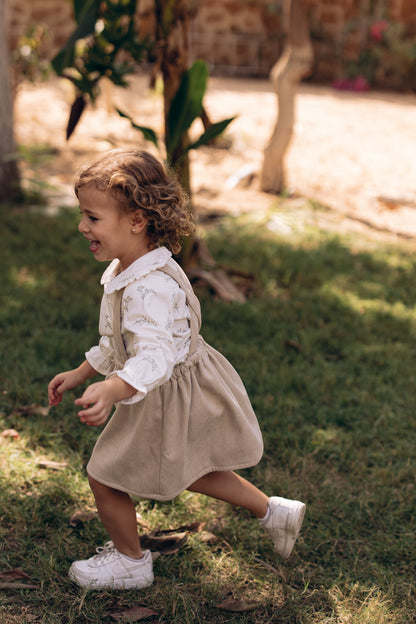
(112, 233)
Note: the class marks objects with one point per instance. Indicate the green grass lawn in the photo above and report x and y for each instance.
(326, 346)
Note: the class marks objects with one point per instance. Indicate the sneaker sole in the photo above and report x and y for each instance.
(115, 583)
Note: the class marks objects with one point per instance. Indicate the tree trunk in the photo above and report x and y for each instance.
(172, 36)
(294, 64)
(9, 174)
(173, 18)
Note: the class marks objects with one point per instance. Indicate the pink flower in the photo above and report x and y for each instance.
(360, 83)
(341, 84)
(377, 29)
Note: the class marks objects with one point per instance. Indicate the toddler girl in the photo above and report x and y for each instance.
(183, 419)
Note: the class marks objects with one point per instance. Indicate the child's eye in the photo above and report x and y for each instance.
(90, 217)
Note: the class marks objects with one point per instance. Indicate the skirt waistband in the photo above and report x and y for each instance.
(191, 360)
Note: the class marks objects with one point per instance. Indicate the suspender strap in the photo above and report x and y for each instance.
(193, 304)
(119, 346)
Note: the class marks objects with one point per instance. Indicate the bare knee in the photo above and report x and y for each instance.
(104, 494)
(99, 490)
(205, 484)
(94, 485)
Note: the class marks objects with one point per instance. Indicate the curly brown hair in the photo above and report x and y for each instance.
(137, 180)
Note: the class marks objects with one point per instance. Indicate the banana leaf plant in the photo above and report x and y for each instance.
(92, 52)
(185, 108)
(103, 30)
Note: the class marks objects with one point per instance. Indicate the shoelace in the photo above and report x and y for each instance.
(104, 553)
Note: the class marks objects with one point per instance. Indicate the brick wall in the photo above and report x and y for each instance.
(236, 37)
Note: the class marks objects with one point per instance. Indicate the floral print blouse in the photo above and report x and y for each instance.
(154, 323)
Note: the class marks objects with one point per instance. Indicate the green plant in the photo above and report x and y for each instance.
(28, 56)
(186, 106)
(104, 31)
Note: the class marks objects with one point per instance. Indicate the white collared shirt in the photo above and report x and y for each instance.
(154, 323)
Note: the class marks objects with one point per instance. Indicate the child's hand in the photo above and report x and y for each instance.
(99, 398)
(68, 380)
(97, 402)
(60, 383)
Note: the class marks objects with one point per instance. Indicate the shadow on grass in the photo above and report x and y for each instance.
(326, 349)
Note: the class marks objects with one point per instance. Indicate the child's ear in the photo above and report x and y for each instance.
(138, 221)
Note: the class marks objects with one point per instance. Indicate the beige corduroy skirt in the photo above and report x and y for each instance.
(199, 421)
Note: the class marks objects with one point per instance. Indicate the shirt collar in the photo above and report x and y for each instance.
(112, 280)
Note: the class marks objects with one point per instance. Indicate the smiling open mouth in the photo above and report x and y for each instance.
(94, 246)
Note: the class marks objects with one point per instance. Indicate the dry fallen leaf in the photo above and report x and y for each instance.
(236, 604)
(134, 614)
(28, 410)
(293, 345)
(53, 465)
(277, 571)
(207, 537)
(141, 521)
(16, 579)
(391, 203)
(81, 517)
(194, 527)
(167, 544)
(10, 433)
(217, 524)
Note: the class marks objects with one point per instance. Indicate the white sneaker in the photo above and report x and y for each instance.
(109, 569)
(284, 523)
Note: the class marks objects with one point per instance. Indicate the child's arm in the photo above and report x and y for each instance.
(101, 396)
(68, 380)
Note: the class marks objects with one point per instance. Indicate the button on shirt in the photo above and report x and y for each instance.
(154, 323)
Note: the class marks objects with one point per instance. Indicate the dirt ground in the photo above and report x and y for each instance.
(353, 152)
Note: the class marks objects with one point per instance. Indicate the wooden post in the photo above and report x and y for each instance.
(10, 189)
(294, 64)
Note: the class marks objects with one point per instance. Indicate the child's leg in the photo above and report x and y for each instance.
(118, 515)
(231, 488)
(119, 564)
(282, 518)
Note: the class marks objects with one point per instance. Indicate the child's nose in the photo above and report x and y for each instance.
(82, 227)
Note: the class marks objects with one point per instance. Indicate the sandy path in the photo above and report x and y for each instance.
(356, 153)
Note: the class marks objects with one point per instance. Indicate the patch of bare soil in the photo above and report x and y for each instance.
(353, 153)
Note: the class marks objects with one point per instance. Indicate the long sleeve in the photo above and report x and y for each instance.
(155, 331)
(101, 356)
(148, 329)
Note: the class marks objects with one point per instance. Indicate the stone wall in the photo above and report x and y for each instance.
(339, 29)
(55, 17)
(238, 37)
(244, 37)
